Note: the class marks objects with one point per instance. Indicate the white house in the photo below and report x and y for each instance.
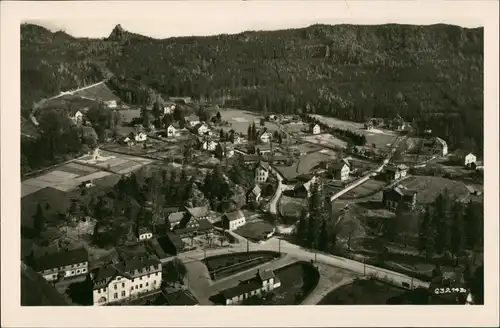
(233, 220)
(126, 279)
(470, 159)
(141, 136)
(76, 116)
(168, 109)
(265, 137)
(201, 129)
(171, 131)
(63, 264)
(315, 129)
(436, 146)
(111, 103)
(209, 145)
(341, 170)
(144, 233)
(264, 281)
(394, 172)
(261, 173)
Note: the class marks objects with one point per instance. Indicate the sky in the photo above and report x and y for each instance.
(201, 18)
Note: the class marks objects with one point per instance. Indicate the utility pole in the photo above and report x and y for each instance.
(248, 247)
(279, 246)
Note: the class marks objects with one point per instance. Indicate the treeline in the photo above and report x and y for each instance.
(423, 73)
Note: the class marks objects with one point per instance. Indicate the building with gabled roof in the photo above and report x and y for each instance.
(263, 282)
(436, 146)
(63, 264)
(233, 220)
(395, 172)
(399, 194)
(254, 194)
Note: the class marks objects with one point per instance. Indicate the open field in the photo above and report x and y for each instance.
(295, 127)
(306, 164)
(129, 114)
(361, 292)
(256, 231)
(67, 102)
(241, 119)
(98, 92)
(429, 187)
(291, 207)
(116, 163)
(380, 137)
(225, 265)
(306, 148)
(326, 140)
(369, 188)
(138, 149)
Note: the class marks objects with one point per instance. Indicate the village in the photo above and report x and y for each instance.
(272, 165)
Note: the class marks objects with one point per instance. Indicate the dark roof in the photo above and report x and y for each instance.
(244, 287)
(176, 217)
(175, 240)
(198, 211)
(236, 215)
(402, 190)
(251, 158)
(203, 224)
(256, 190)
(129, 269)
(181, 297)
(36, 291)
(280, 158)
(60, 259)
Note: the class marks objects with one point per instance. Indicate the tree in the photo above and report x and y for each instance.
(458, 230)
(156, 111)
(301, 229)
(323, 242)
(180, 268)
(145, 118)
(424, 228)
(39, 220)
(218, 116)
(219, 152)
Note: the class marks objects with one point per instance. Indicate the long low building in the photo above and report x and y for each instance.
(263, 282)
(63, 264)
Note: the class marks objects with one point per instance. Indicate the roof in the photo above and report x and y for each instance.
(144, 230)
(403, 191)
(340, 164)
(244, 287)
(175, 240)
(251, 158)
(264, 166)
(60, 259)
(129, 268)
(180, 297)
(176, 217)
(400, 167)
(198, 126)
(203, 224)
(265, 274)
(198, 212)
(441, 141)
(280, 158)
(236, 215)
(263, 147)
(256, 190)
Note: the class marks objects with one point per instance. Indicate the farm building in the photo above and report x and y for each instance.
(171, 243)
(315, 129)
(263, 282)
(465, 159)
(76, 116)
(392, 197)
(195, 221)
(340, 170)
(201, 129)
(254, 194)
(171, 131)
(264, 136)
(233, 220)
(436, 146)
(395, 172)
(63, 264)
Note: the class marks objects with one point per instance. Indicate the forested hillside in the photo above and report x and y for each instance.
(347, 71)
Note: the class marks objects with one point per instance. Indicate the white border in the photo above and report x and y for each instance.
(202, 15)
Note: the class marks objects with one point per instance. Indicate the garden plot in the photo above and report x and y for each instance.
(239, 120)
(326, 140)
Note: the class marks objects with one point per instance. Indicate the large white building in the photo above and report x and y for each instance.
(261, 173)
(233, 220)
(63, 264)
(127, 279)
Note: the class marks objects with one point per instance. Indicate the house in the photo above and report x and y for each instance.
(171, 243)
(395, 172)
(315, 129)
(144, 233)
(168, 109)
(340, 170)
(263, 149)
(228, 151)
(76, 116)
(263, 282)
(175, 218)
(392, 197)
(194, 221)
(201, 212)
(436, 146)
(233, 220)
(129, 278)
(234, 137)
(110, 103)
(468, 160)
(209, 145)
(264, 136)
(200, 129)
(171, 131)
(254, 194)
(261, 173)
(63, 264)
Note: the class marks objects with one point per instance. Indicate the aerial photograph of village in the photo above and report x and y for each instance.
(324, 165)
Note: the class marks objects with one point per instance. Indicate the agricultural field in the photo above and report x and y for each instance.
(154, 146)
(256, 230)
(429, 187)
(362, 292)
(296, 127)
(98, 92)
(116, 163)
(66, 178)
(326, 140)
(239, 120)
(305, 165)
(367, 189)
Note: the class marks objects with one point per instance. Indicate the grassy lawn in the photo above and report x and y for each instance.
(241, 119)
(226, 265)
(368, 188)
(306, 164)
(297, 281)
(361, 292)
(291, 207)
(429, 187)
(255, 231)
(326, 139)
(129, 114)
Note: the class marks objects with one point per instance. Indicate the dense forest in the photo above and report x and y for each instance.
(430, 75)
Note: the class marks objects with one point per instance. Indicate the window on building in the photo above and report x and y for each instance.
(148, 275)
(156, 274)
(104, 289)
(116, 286)
(132, 279)
(154, 282)
(140, 285)
(147, 284)
(78, 271)
(123, 293)
(123, 284)
(84, 270)
(99, 291)
(54, 276)
(115, 295)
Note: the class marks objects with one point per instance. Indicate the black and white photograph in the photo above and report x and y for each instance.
(254, 159)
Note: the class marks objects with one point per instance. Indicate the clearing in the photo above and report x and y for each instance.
(305, 165)
(429, 187)
(98, 92)
(239, 120)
